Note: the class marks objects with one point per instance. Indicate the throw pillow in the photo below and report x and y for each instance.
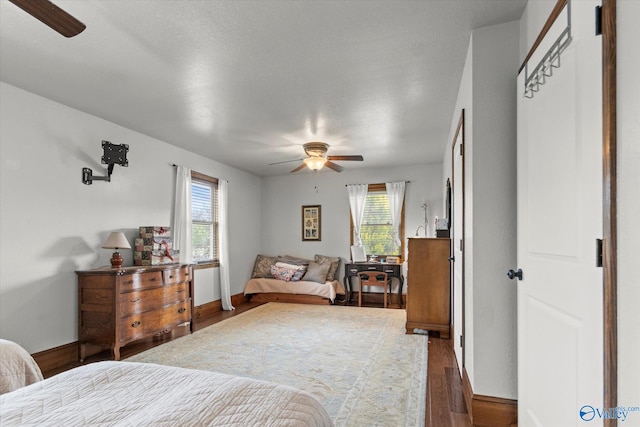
(334, 265)
(298, 270)
(282, 273)
(262, 266)
(317, 272)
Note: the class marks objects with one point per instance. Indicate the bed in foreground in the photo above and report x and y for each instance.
(141, 394)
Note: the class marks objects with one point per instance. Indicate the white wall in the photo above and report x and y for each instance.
(487, 93)
(628, 206)
(52, 224)
(464, 101)
(493, 180)
(283, 197)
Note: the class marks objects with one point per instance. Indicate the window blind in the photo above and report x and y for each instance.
(204, 201)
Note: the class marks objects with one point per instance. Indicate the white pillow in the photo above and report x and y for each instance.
(291, 266)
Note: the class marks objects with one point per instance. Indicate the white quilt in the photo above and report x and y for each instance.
(17, 367)
(264, 285)
(141, 394)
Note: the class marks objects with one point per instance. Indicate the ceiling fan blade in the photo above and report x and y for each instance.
(51, 15)
(285, 161)
(302, 166)
(334, 166)
(343, 158)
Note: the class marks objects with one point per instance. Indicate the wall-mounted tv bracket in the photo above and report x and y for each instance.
(113, 154)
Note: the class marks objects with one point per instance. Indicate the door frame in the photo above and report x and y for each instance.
(609, 206)
(609, 194)
(459, 132)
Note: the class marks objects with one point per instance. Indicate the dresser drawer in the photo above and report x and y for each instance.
(130, 282)
(150, 299)
(353, 271)
(143, 324)
(390, 270)
(177, 275)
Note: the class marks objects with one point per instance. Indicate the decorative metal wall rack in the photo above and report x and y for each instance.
(550, 60)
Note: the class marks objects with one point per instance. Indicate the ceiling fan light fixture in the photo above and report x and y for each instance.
(315, 163)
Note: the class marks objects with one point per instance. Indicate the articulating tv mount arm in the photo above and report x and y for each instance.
(113, 154)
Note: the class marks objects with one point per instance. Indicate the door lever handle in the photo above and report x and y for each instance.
(513, 274)
(452, 258)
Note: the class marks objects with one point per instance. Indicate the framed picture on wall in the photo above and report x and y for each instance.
(311, 223)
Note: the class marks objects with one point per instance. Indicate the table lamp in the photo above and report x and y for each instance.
(116, 240)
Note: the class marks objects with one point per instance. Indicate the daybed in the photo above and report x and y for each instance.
(143, 394)
(298, 280)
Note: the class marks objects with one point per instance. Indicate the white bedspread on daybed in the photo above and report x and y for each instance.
(264, 285)
(141, 394)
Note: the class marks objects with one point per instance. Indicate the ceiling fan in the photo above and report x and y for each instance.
(317, 158)
(51, 15)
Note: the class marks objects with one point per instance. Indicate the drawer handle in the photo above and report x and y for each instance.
(180, 290)
(136, 299)
(372, 268)
(182, 310)
(153, 279)
(354, 270)
(135, 324)
(170, 277)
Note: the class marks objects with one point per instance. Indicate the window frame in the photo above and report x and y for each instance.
(376, 188)
(197, 176)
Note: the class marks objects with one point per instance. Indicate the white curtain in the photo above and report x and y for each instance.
(395, 193)
(181, 227)
(357, 198)
(223, 231)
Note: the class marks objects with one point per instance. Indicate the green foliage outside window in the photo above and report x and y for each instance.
(202, 242)
(376, 231)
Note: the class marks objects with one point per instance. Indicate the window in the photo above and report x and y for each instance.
(376, 230)
(204, 217)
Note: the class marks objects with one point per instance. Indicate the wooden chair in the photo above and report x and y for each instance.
(373, 278)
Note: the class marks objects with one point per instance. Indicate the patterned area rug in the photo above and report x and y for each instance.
(357, 361)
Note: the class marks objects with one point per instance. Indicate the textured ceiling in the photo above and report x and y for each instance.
(248, 82)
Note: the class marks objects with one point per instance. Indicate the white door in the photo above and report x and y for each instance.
(456, 245)
(560, 328)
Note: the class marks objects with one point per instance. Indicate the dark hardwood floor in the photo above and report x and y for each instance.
(445, 402)
(445, 406)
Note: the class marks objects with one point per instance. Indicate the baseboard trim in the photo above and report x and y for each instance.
(206, 311)
(238, 299)
(54, 359)
(59, 358)
(488, 411)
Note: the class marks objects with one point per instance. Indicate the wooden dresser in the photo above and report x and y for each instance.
(428, 285)
(118, 306)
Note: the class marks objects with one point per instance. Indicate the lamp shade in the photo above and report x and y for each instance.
(116, 240)
(315, 163)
